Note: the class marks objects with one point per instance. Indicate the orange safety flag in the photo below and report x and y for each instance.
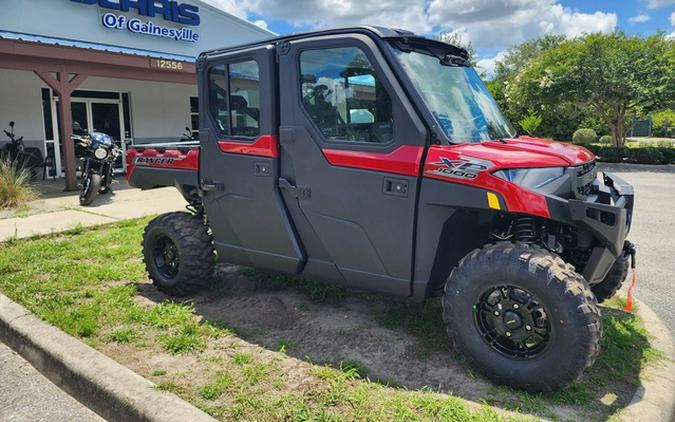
(629, 301)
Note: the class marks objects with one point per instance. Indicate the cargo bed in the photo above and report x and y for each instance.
(152, 166)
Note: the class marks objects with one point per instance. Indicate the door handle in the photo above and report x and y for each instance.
(396, 187)
(210, 185)
(296, 192)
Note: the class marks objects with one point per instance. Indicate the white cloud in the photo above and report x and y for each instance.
(672, 19)
(485, 23)
(653, 4)
(487, 65)
(333, 13)
(261, 23)
(490, 24)
(642, 18)
(232, 7)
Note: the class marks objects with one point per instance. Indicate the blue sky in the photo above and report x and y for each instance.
(491, 26)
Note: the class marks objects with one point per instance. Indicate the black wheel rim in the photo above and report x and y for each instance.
(513, 322)
(166, 257)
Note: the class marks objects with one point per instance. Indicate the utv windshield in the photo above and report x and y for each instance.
(455, 94)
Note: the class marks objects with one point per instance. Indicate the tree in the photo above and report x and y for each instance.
(455, 39)
(561, 122)
(616, 75)
(519, 56)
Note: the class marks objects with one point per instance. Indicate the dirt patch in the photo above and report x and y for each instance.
(391, 341)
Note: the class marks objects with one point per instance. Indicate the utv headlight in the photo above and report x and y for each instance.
(531, 178)
(100, 153)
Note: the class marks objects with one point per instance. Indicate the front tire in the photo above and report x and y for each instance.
(178, 253)
(522, 316)
(90, 188)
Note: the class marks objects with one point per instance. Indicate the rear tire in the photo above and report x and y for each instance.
(548, 326)
(90, 189)
(178, 253)
(613, 280)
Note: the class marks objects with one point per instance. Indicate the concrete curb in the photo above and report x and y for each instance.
(654, 399)
(106, 387)
(117, 393)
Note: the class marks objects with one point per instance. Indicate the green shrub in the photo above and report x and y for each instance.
(645, 155)
(668, 155)
(584, 136)
(663, 124)
(531, 122)
(15, 187)
(609, 154)
(605, 139)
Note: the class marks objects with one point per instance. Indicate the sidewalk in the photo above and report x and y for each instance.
(61, 213)
(27, 396)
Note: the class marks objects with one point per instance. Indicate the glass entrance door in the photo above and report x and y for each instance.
(100, 116)
(105, 117)
(94, 111)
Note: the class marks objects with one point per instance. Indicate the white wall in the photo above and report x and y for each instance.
(159, 111)
(76, 21)
(21, 101)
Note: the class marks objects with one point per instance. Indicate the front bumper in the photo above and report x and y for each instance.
(606, 213)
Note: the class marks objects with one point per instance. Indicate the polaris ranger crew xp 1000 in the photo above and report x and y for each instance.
(376, 159)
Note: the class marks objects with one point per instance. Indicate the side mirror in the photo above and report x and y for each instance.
(11, 124)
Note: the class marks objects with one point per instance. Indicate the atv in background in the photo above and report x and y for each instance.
(376, 159)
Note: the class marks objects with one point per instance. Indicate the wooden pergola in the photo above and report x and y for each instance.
(64, 69)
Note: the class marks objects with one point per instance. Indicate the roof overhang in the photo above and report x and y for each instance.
(46, 57)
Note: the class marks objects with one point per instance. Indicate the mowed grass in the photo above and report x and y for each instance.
(85, 282)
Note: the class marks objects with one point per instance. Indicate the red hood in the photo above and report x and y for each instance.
(573, 154)
(526, 152)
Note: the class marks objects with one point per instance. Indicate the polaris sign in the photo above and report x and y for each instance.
(137, 26)
(182, 13)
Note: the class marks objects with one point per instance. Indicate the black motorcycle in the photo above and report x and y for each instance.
(25, 157)
(98, 155)
(15, 146)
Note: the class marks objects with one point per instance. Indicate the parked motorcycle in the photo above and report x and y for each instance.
(188, 136)
(26, 157)
(98, 155)
(15, 146)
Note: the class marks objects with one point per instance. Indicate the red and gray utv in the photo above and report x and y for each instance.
(376, 159)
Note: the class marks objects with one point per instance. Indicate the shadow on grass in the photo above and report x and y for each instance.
(403, 344)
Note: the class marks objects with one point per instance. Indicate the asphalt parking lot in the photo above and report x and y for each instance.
(653, 231)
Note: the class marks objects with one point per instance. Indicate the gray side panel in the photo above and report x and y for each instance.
(348, 220)
(352, 231)
(451, 221)
(245, 210)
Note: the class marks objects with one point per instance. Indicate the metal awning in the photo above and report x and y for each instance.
(16, 36)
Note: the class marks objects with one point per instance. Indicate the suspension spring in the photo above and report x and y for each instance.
(525, 230)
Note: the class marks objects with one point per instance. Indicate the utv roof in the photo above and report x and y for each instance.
(376, 31)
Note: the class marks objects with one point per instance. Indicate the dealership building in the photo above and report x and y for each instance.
(123, 67)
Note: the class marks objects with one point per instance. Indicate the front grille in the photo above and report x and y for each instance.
(583, 182)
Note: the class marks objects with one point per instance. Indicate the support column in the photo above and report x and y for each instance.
(66, 125)
(64, 85)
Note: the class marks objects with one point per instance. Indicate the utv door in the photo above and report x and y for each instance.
(239, 162)
(351, 147)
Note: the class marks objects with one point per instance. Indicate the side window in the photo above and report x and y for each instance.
(234, 98)
(245, 98)
(218, 97)
(344, 97)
